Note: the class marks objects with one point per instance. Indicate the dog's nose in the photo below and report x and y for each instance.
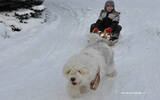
(73, 79)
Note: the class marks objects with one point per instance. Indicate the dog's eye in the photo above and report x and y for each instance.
(68, 72)
(80, 72)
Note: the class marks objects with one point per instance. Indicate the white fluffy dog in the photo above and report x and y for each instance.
(85, 70)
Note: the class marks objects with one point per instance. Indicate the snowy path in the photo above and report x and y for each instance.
(28, 59)
(31, 62)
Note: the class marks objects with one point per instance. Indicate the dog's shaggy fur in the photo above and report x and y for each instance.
(82, 68)
(93, 37)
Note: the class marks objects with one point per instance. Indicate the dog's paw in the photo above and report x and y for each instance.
(113, 74)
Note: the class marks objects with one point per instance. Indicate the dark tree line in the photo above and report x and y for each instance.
(14, 4)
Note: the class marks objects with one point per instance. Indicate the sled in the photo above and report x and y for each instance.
(107, 36)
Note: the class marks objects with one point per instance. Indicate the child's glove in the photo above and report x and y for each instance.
(95, 30)
(109, 30)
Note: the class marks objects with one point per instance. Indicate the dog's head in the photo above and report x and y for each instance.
(76, 75)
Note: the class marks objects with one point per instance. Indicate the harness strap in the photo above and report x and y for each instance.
(95, 83)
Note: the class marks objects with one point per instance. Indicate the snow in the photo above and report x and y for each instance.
(39, 8)
(4, 31)
(8, 18)
(24, 12)
(31, 61)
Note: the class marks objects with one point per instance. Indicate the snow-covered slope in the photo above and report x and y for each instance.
(31, 61)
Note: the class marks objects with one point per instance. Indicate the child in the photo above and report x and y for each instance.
(109, 18)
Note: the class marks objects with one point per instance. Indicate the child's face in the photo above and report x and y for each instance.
(109, 8)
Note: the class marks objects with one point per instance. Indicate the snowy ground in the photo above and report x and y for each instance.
(22, 19)
(31, 61)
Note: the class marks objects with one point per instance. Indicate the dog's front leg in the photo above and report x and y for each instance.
(74, 91)
(84, 89)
